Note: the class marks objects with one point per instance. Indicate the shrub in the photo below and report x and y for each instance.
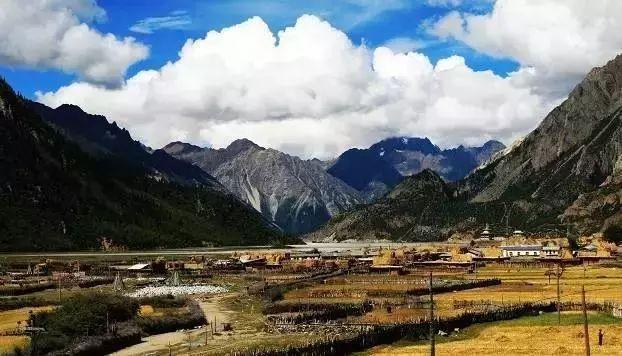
(25, 289)
(164, 301)
(95, 282)
(16, 303)
(167, 323)
(80, 315)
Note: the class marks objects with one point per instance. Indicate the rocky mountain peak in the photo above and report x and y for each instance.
(423, 145)
(70, 109)
(426, 182)
(179, 147)
(241, 145)
(298, 195)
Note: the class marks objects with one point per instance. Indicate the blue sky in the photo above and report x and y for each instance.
(372, 22)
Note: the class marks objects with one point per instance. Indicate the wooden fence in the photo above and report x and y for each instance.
(345, 343)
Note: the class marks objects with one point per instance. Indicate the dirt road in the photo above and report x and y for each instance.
(212, 307)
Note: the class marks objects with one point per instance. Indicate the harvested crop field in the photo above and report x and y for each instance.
(525, 336)
(602, 284)
(10, 318)
(9, 321)
(9, 343)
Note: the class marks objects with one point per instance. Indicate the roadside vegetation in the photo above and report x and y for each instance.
(98, 322)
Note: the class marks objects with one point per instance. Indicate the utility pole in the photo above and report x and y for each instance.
(189, 341)
(60, 297)
(559, 315)
(585, 328)
(432, 341)
(33, 335)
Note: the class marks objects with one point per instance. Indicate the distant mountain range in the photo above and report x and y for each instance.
(69, 180)
(375, 170)
(566, 175)
(301, 195)
(298, 195)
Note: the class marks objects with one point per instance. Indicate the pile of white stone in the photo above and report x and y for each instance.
(177, 290)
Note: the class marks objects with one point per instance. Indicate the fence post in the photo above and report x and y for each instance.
(559, 317)
(585, 328)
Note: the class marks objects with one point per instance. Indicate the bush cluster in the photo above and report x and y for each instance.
(167, 323)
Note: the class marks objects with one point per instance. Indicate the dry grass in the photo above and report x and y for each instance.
(148, 310)
(520, 337)
(359, 287)
(9, 343)
(9, 318)
(8, 321)
(531, 284)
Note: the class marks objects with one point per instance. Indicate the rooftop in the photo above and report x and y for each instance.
(138, 266)
(522, 248)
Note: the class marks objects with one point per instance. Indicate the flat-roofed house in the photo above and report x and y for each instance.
(532, 251)
(551, 251)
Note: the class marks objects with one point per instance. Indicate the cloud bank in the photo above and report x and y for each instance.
(56, 34)
(308, 90)
(556, 42)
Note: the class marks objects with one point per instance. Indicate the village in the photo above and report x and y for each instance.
(456, 252)
(357, 295)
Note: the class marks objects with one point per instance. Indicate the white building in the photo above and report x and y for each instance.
(521, 251)
(551, 251)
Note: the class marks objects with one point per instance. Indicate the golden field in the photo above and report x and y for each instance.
(8, 343)
(8, 321)
(9, 318)
(531, 284)
(525, 336)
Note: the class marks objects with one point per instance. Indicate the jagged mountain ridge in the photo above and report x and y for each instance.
(55, 196)
(298, 195)
(384, 164)
(567, 171)
(100, 138)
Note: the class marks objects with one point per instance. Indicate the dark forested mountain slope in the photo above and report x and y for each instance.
(423, 207)
(55, 196)
(95, 135)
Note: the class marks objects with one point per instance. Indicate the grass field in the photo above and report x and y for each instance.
(9, 343)
(524, 336)
(531, 284)
(9, 318)
(519, 285)
(8, 321)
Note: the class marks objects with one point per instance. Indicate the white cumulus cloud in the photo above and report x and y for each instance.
(308, 90)
(56, 34)
(557, 40)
